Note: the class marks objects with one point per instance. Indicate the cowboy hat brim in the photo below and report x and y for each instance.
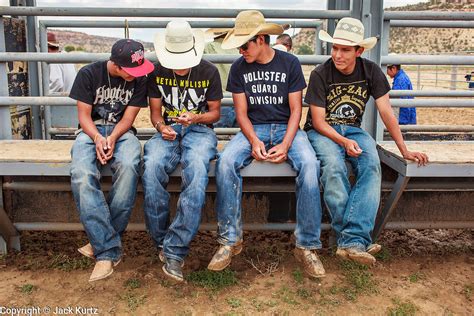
(367, 43)
(212, 34)
(179, 60)
(235, 41)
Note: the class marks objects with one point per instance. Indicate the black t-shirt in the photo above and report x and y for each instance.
(267, 86)
(108, 101)
(344, 96)
(188, 93)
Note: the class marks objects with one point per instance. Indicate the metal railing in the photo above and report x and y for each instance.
(297, 18)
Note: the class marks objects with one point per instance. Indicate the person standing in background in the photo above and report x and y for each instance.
(401, 81)
(61, 76)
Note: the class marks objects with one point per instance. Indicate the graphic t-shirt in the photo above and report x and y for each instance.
(188, 93)
(267, 86)
(108, 99)
(344, 96)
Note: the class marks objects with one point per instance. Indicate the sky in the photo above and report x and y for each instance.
(148, 34)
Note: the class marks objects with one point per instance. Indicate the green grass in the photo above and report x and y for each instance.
(303, 293)
(298, 276)
(359, 278)
(287, 296)
(406, 308)
(65, 263)
(27, 288)
(234, 302)
(214, 281)
(467, 291)
(383, 255)
(415, 277)
(132, 284)
(133, 300)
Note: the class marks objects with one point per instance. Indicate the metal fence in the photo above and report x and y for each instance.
(370, 12)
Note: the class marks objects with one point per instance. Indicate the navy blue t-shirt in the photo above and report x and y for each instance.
(267, 86)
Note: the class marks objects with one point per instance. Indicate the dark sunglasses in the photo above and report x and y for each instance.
(246, 45)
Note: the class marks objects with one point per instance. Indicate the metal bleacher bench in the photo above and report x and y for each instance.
(51, 158)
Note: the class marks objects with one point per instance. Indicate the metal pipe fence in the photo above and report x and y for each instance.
(402, 103)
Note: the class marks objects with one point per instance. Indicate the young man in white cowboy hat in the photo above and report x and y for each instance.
(189, 89)
(109, 96)
(266, 86)
(338, 92)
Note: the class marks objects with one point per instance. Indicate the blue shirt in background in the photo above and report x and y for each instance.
(402, 82)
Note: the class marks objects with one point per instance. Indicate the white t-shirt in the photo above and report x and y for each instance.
(61, 77)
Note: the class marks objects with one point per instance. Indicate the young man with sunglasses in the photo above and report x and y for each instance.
(109, 96)
(266, 86)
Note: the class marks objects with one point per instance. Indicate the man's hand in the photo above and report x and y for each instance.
(167, 132)
(101, 149)
(110, 141)
(258, 150)
(186, 119)
(352, 148)
(419, 157)
(278, 153)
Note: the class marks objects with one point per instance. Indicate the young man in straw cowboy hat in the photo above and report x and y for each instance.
(189, 89)
(338, 92)
(109, 96)
(266, 86)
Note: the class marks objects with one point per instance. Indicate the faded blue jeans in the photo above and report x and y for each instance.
(238, 154)
(353, 210)
(105, 219)
(194, 147)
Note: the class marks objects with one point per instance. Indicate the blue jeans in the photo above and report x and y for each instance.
(301, 157)
(194, 147)
(227, 118)
(353, 210)
(105, 219)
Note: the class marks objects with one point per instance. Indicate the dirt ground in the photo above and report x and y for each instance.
(428, 272)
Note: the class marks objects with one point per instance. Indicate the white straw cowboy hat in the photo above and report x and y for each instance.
(350, 32)
(247, 25)
(179, 47)
(214, 33)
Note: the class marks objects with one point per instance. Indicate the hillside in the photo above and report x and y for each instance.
(412, 40)
(70, 40)
(402, 40)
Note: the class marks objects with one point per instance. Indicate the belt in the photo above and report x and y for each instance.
(103, 122)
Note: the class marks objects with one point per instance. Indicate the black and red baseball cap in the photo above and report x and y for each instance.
(130, 55)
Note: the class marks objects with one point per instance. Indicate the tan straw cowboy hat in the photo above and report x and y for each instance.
(247, 25)
(350, 32)
(179, 47)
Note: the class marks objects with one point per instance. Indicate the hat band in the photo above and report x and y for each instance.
(183, 52)
(344, 39)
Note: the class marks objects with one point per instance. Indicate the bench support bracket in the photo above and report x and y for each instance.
(390, 205)
(10, 237)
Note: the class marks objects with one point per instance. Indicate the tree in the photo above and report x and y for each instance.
(305, 50)
(69, 48)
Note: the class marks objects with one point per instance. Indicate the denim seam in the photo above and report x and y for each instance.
(107, 258)
(316, 247)
(174, 257)
(353, 245)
